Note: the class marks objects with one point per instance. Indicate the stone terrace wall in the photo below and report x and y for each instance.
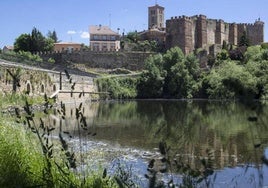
(107, 60)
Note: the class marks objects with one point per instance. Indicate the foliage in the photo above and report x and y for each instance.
(16, 100)
(132, 36)
(51, 60)
(171, 75)
(22, 57)
(244, 40)
(34, 42)
(21, 163)
(264, 45)
(118, 88)
(53, 36)
(152, 80)
(34, 159)
(230, 81)
(221, 57)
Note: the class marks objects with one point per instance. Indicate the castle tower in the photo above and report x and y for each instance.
(201, 28)
(156, 17)
(179, 33)
(233, 34)
(220, 32)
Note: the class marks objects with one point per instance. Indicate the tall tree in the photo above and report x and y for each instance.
(23, 43)
(53, 36)
(33, 42)
(244, 41)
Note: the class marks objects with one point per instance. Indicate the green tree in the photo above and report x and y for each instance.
(22, 43)
(244, 41)
(33, 42)
(230, 81)
(53, 35)
(133, 36)
(184, 77)
(152, 79)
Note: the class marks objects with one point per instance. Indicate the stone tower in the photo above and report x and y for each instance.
(156, 17)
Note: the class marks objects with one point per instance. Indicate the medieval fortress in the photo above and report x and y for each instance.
(198, 31)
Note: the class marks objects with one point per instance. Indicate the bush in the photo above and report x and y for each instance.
(264, 45)
(51, 60)
(119, 88)
(22, 57)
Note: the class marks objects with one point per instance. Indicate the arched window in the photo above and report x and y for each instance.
(28, 88)
(54, 88)
(42, 88)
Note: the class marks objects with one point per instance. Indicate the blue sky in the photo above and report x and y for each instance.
(71, 18)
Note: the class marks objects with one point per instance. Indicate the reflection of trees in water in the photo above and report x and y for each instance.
(190, 128)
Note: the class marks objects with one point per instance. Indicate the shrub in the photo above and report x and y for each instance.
(264, 45)
(119, 88)
(51, 60)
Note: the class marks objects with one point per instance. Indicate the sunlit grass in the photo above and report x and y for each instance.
(16, 100)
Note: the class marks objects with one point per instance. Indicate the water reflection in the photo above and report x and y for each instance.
(235, 134)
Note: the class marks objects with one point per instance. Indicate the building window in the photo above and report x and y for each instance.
(112, 37)
(95, 37)
(96, 47)
(112, 47)
(104, 47)
(104, 37)
(152, 12)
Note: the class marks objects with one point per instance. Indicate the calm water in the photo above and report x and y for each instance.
(233, 135)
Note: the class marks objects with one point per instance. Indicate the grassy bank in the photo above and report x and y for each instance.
(17, 100)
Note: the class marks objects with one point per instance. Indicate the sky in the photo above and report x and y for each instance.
(71, 18)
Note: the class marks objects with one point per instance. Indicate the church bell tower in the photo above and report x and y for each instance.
(156, 17)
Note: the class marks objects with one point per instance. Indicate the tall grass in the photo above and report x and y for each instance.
(16, 100)
(31, 157)
(21, 163)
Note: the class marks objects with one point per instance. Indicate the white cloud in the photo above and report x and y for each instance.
(70, 32)
(84, 35)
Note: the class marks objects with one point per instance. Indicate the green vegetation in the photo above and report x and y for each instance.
(18, 100)
(173, 75)
(170, 75)
(136, 44)
(118, 87)
(22, 57)
(234, 74)
(34, 42)
(31, 157)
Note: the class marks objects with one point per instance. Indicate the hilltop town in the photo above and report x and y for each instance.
(188, 33)
(204, 42)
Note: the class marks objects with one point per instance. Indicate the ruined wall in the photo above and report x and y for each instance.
(39, 82)
(107, 60)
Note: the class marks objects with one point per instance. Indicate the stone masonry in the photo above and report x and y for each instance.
(198, 31)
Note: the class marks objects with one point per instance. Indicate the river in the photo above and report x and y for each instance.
(225, 142)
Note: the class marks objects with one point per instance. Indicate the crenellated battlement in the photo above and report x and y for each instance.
(198, 31)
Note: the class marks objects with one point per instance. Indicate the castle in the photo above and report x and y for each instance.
(190, 33)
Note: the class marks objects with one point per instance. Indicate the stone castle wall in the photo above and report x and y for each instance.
(107, 60)
(194, 32)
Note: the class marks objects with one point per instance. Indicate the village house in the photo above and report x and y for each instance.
(66, 47)
(8, 49)
(102, 38)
